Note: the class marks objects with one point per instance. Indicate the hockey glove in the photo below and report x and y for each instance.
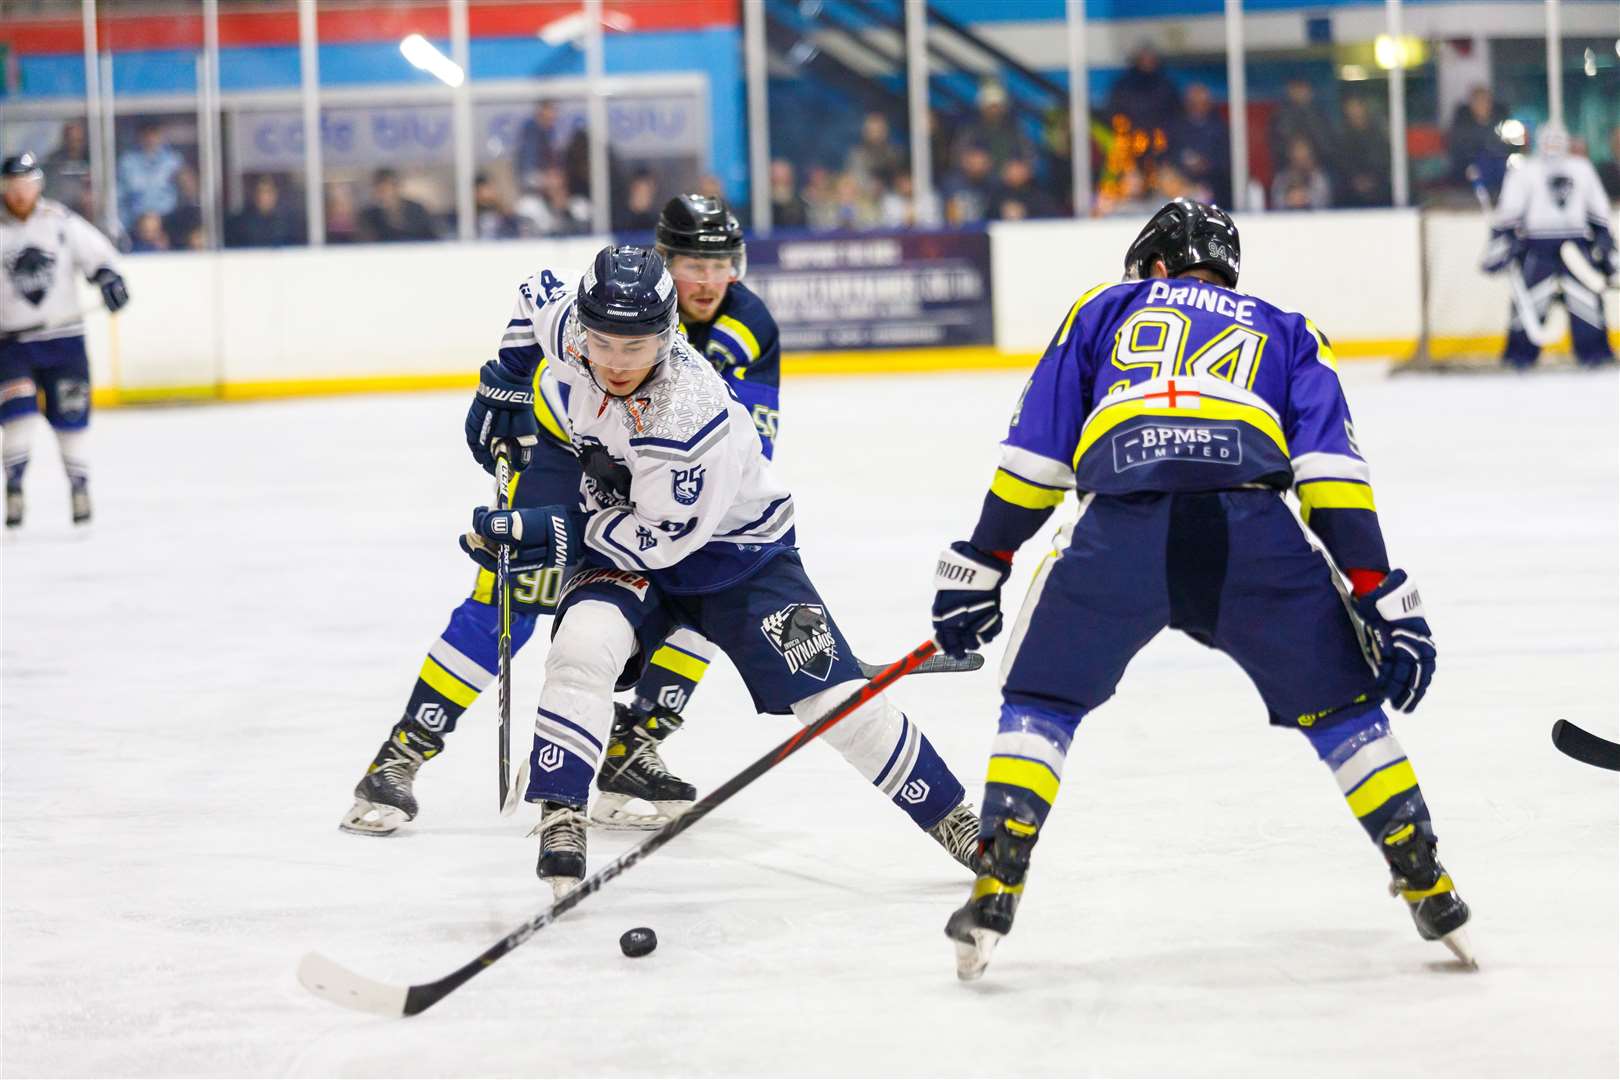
(1503, 249)
(540, 538)
(1603, 254)
(1402, 641)
(113, 292)
(967, 598)
(503, 408)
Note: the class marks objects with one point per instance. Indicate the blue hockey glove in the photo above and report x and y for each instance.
(1393, 614)
(113, 292)
(503, 408)
(541, 537)
(967, 598)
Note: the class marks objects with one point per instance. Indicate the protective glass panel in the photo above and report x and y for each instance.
(42, 101)
(261, 126)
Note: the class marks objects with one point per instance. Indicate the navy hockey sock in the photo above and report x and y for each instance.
(928, 790)
(461, 664)
(1372, 771)
(1026, 765)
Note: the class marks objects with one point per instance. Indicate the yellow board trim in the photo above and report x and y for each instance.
(687, 667)
(447, 684)
(1021, 772)
(1334, 495)
(737, 330)
(1021, 492)
(1381, 787)
(1210, 408)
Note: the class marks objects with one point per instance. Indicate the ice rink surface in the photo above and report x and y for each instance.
(191, 691)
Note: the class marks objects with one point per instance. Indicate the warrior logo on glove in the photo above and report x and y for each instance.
(799, 632)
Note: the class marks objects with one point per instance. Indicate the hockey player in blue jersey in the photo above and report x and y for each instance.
(683, 524)
(1180, 411)
(703, 243)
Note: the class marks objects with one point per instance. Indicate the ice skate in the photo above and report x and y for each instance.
(980, 924)
(1419, 879)
(562, 847)
(383, 800)
(14, 506)
(632, 769)
(958, 833)
(80, 499)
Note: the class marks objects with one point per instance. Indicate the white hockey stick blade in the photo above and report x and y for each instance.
(1534, 328)
(1581, 268)
(332, 981)
(520, 784)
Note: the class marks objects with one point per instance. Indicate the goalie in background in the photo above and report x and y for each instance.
(1552, 198)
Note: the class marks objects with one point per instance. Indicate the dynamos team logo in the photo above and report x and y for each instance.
(31, 270)
(800, 633)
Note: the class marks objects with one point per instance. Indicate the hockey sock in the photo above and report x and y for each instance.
(589, 649)
(674, 671)
(1026, 765)
(75, 457)
(461, 664)
(16, 436)
(1372, 771)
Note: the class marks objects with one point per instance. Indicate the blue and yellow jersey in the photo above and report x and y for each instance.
(743, 345)
(1181, 385)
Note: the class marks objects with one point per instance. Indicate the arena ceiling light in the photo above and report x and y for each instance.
(423, 54)
(571, 28)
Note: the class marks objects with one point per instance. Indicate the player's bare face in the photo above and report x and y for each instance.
(21, 193)
(700, 285)
(621, 364)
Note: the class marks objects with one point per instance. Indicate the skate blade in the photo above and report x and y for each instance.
(973, 956)
(561, 886)
(367, 818)
(610, 812)
(1463, 949)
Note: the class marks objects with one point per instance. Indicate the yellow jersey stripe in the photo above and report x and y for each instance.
(1209, 408)
(542, 410)
(447, 684)
(1323, 349)
(1089, 296)
(744, 336)
(484, 587)
(1334, 495)
(1020, 492)
(1021, 772)
(682, 664)
(1381, 787)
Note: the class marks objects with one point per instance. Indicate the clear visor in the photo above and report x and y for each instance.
(26, 184)
(614, 355)
(707, 269)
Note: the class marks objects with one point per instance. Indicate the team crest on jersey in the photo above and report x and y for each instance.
(801, 634)
(32, 270)
(606, 478)
(687, 484)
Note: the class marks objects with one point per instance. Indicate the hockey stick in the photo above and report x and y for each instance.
(1582, 745)
(939, 664)
(1582, 270)
(503, 593)
(337, 984)
(1523, 305)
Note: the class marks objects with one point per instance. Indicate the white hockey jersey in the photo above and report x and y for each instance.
(1553, 197)
(39, 257)
(674, 482)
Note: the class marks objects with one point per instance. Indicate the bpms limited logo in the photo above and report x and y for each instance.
(1207, 444)
(801, 634)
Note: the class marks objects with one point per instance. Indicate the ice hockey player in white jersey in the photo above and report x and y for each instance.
(1552, 198)
(43, 246)
(681, 522)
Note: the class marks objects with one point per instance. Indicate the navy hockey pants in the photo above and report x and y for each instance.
(1546, 279)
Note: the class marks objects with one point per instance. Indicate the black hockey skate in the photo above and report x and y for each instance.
(562, 846)
(14, 506)
(1419, 879)
(987, 917)
(383, 799)
(632, 769)
(958, 833)
(80, 499)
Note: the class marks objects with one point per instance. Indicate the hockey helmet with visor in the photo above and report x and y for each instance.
(701, 240)
(624, 319)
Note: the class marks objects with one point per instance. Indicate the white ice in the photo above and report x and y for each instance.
(191, 691)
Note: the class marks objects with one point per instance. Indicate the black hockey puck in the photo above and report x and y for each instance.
(638, 942)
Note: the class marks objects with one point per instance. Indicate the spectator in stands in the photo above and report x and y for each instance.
(1128, 195)
(146, 175)
(552, 209)
(1609, 171)
(67, 171)
(968, 188)
(1144, 94)
(391, 217)
(897, 207)
(875, 158)
(1363, 148)
(854, 207)
(342, 219)
(788, 208)
(1475, 139)
(641, 203)
(820, 200)
(1301, 184)
(1299, 117)
(267, 220)
(1019, 197)
(1200, 146)
(492, 216)
(148, 234)
(187, 213)
(542, 144)
(996, 130)
(1170, 182)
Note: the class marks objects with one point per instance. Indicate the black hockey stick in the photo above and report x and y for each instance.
(335, 983)
(503, 592)
(934, 665)
(1582, 745)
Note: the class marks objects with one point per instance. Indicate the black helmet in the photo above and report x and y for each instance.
(702, 226)
(23, 164)
(1186, 234)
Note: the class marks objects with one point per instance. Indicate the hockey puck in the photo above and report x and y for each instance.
(638, 942)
